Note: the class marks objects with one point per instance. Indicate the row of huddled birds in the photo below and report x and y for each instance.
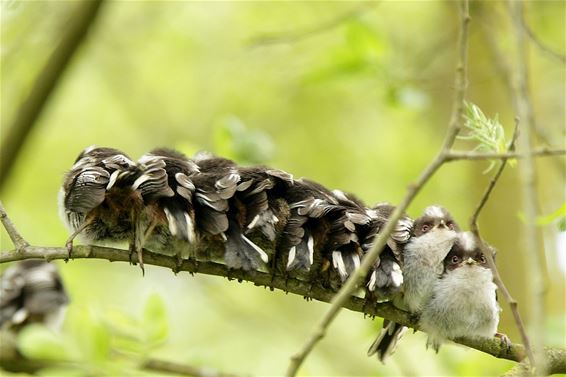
(259, 218)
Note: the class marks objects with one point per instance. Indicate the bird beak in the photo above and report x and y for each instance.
(442, 224)
(470, 261)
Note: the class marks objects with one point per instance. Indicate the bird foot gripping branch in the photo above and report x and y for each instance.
(176, 206)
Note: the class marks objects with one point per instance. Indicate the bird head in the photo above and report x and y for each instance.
(434, 218)
(465, 253)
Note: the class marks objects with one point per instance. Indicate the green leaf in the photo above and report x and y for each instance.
(488, 133)
(91, 337)
(364, 42)
(38, 342)
(559, 214)
(155, 320)
(550, 218)
(94, 339)
(61, 371)
(122, 325)
(233, 139)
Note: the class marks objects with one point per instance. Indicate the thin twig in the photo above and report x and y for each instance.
(297, 35)
(169, 367)
(539, 152)
(493, 182)
(19, 242)
(535, 287)
(504, 71)
(45, 84)
(487, 252)
(537, 42)
(352, 283)
(21, 364)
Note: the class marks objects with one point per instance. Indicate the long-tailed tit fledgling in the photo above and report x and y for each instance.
(31, 291)
(102, 198)
(463, 302)
(432, 237)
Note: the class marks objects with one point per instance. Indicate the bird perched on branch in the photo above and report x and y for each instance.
(386, 278)
(323, 226)
(463, 302)
(102, 198)
(310, 205)
(432, 237)
(169, 213)
(214, 198)
(31, 291)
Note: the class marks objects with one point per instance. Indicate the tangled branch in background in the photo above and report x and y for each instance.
(45, 84)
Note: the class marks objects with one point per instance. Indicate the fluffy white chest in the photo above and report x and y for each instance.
(463, 304)
(423, 258)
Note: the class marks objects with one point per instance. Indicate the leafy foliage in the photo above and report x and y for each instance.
(110, 343)
(487, 132)
(233, 139)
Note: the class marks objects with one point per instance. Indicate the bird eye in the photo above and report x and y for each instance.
(455, 259)
(482, 259)
(425, 228)
(450, 225)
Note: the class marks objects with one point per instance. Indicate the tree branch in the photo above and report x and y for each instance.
(487, 253)
(169, 367)
(539, 152)
(20, 364)
(537, 42)
(535, 287)
(297, 35)
(353, 281)
(13, 233)
(556, 357)
(493, 182)
(504, 72)
(45, 84)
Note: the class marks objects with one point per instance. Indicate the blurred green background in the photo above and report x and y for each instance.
(356, 100)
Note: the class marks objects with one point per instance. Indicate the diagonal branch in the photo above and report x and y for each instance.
(503, 69)
(493, 182)
(527, 173)
(488, 255)
(20, 364)
(359, 275)
(540, 44)
(45, 84)
(297, 35)
(168, 367)
(17, 239)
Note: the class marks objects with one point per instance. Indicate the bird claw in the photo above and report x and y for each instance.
(69, 246)
(178, 264)
(433, 343)
(139, 258)
(369, 304)
(504, 339)
(414, 317)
